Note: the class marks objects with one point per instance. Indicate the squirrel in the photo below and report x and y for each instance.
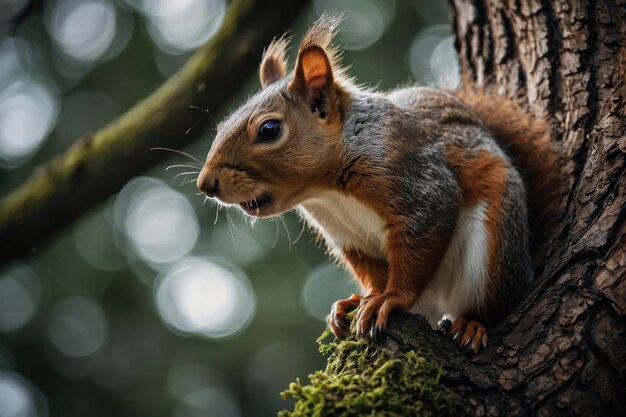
(424, 195)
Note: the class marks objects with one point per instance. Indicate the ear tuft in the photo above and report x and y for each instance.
(322, 33)
(318, 76)
(317, 66)
(274, 62)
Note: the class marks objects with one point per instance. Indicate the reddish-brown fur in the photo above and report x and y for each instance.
(371, 272)
(526, 139)
(482, 176)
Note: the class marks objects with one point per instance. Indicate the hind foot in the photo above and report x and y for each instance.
(469, 336)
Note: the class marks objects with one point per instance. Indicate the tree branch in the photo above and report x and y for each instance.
(99, 164)
(414, 372)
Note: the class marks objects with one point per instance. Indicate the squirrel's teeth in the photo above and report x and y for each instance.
(253, 207)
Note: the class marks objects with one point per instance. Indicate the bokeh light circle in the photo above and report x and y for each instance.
(198, 296)
(20, 294)
(159, 221)
(28, 110)
(101, 253)
(16, 60)
(325, 285)
(78, 327)
(182, 25)
(432, 57)
(444, 64)
(83, 30)
(18, 398)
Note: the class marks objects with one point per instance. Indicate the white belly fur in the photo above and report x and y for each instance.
(460, 282)
(345, 222)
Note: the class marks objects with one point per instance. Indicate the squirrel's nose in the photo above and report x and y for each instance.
(207, 182)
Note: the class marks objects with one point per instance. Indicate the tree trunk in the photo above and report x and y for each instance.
(563, 350)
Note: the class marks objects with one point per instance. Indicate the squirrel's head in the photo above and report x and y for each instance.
(279, 148)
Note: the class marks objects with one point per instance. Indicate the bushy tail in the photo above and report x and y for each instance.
(526, 139)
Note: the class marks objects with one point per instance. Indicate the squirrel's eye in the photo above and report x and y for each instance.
(269, 130)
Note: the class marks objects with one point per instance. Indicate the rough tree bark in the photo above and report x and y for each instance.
(563, 350)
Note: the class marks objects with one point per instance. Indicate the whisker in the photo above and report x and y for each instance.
(217, 214)
(183, 166)
(229, 217)
(193, 127)
(277, 231)
(185, 173)
(230, 228)
(191, 181)
(286, 230)
(301, 233)
(176, 151)
(205, 111)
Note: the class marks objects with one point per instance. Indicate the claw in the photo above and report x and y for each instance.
(341, 320)
(444, 326)
(342, 324)
(465, 343)
(378, 334)
(359, 330)
(371, 334)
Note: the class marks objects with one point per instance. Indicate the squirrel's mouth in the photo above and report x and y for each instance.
(256, 205)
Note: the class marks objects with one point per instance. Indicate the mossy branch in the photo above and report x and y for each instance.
(98, 165)
(409, 374)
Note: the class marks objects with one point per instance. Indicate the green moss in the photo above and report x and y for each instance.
(362, 379)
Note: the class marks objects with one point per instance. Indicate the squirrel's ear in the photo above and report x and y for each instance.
(313, 74)
(274, 63)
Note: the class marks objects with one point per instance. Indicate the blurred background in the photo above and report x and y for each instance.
(151, 304)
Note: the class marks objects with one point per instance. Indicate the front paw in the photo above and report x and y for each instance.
(337, 321)
(371, 319)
